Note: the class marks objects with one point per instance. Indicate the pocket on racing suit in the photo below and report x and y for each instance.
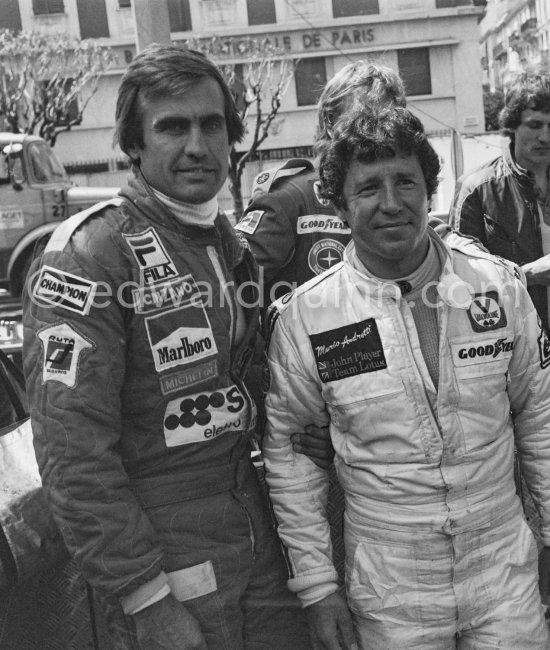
(193, 581)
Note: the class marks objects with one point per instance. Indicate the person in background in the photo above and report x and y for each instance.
(140, 318)
(505, 203)
(427, 361)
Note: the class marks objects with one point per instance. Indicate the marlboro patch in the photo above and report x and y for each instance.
(347, 351)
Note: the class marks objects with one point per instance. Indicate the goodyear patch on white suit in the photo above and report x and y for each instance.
(66, 290)
(174, 346)
(154, 262)
(250, 222)
(482, 351)
(204, 416)
(324, 254)
(63, 347)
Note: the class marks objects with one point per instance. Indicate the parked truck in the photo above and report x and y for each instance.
(35, 195)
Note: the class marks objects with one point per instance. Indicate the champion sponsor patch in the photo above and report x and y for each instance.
(481, 351)
(318, 223)
(63, 347)
(347, 351)
(544, 349)
(190, 377)
(317, 191)
(154, 262)
(485, 312)
(250, 222)
(324, 254)
(65, 290)
(173, 293)
(191, 342)
(205, 416)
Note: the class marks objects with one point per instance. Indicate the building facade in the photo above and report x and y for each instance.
(515, 34)
(433, 44)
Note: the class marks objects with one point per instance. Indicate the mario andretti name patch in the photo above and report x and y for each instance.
(485, 312)
(347, 351)
(62, 346)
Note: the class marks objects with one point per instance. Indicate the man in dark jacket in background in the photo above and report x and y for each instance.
(506, 203)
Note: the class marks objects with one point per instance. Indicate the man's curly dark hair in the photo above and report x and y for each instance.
(529, 89)
(369, 137)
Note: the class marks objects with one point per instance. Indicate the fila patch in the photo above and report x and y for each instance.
(485, 312)
(348, 351)
(65, 290)
(544, 349)
(324, 254)
(62, 346)
(174, 346)
(250, 222)
(205, 416)
(154, 262)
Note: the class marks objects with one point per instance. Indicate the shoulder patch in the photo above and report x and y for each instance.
(66, 290)
(62, 346)
(62, 234)
(264, 180)
(250, 222)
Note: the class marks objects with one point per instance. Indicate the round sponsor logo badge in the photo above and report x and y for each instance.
(324, 254)
(485, 313)
(262, 178)
(320, 199)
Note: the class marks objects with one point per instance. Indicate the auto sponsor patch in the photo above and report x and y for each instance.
(11, 219)
(182, 379)
(154, 262)
(174, 346)
(324, 254)
(62, 348)
(324, 203)
(66, 290)
(544, 349)
(250, 222)
(204, 416)
(321, 223)
(485, 312)
(348, 351)
(174, 293)
(484, 351)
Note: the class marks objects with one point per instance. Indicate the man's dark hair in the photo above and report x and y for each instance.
(166, 71)
(369, 137)
(529, 90)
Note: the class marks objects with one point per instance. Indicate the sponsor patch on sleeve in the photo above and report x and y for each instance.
(63, 289)
(347, 351)
(485, 312)
(204, 416)
(63, 347)
(250, 222)
(324, 203)
(544, 349)
(174, 346)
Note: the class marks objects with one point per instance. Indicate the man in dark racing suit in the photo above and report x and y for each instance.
(140, 317)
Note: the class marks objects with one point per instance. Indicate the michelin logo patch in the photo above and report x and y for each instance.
(65, 290)
(324, 254)
(481, 351)
(250, 222)
(205, 416)
(348, 351)
(184, 345)
(173, 293)
(154, 262)
(62, 346)
(184, 378)
(319, 223)
(485, 312)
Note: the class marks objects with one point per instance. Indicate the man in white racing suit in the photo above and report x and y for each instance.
(428, 362)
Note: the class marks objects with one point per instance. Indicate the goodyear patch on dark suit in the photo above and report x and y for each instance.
(485, 312)
(347, 351)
